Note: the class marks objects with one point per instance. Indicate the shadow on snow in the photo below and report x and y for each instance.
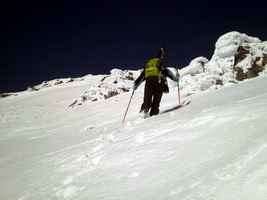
(177, 107)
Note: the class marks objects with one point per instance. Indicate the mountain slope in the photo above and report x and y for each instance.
(213, 148)
(63, 139)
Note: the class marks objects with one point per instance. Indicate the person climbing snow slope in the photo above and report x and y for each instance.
(155, 75)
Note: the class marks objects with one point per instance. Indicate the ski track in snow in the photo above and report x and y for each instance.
(199, 151)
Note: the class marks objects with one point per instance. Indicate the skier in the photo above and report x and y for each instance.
(155, 74)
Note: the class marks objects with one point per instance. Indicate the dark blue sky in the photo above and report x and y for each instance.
(44, 40)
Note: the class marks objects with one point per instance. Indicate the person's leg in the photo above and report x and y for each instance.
(148, 95)
(156, 99)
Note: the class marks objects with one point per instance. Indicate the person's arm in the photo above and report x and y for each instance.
(175, 78)
(139, 80)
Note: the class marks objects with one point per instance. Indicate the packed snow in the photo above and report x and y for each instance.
(212, 148)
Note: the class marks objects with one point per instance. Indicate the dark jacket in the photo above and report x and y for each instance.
(166, 72)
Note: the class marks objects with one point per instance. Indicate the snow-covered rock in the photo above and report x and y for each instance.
(4, 95)
(236, 57)
(56, 82)
(111, 85)
(196, 66)
(250, 60)
(227, 45)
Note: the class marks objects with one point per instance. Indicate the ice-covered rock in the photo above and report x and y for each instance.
(227, 45)
(196, 66)
(250, 60)
(236, 57)
(48, 84)
(111, 85)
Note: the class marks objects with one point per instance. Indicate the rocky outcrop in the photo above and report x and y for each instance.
(56, 82)
(4, 95)
(236, 57)
(110, 85)
(250, 60)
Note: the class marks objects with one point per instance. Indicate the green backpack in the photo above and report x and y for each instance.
(152, 67)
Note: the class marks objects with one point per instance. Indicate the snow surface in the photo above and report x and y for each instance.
(213, 148)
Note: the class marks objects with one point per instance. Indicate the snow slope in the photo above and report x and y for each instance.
(64, 140)
(213, 148)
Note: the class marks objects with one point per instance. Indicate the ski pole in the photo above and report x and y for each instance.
(128, 107)
(179, 97)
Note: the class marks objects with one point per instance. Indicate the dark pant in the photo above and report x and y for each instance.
(152, 95)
